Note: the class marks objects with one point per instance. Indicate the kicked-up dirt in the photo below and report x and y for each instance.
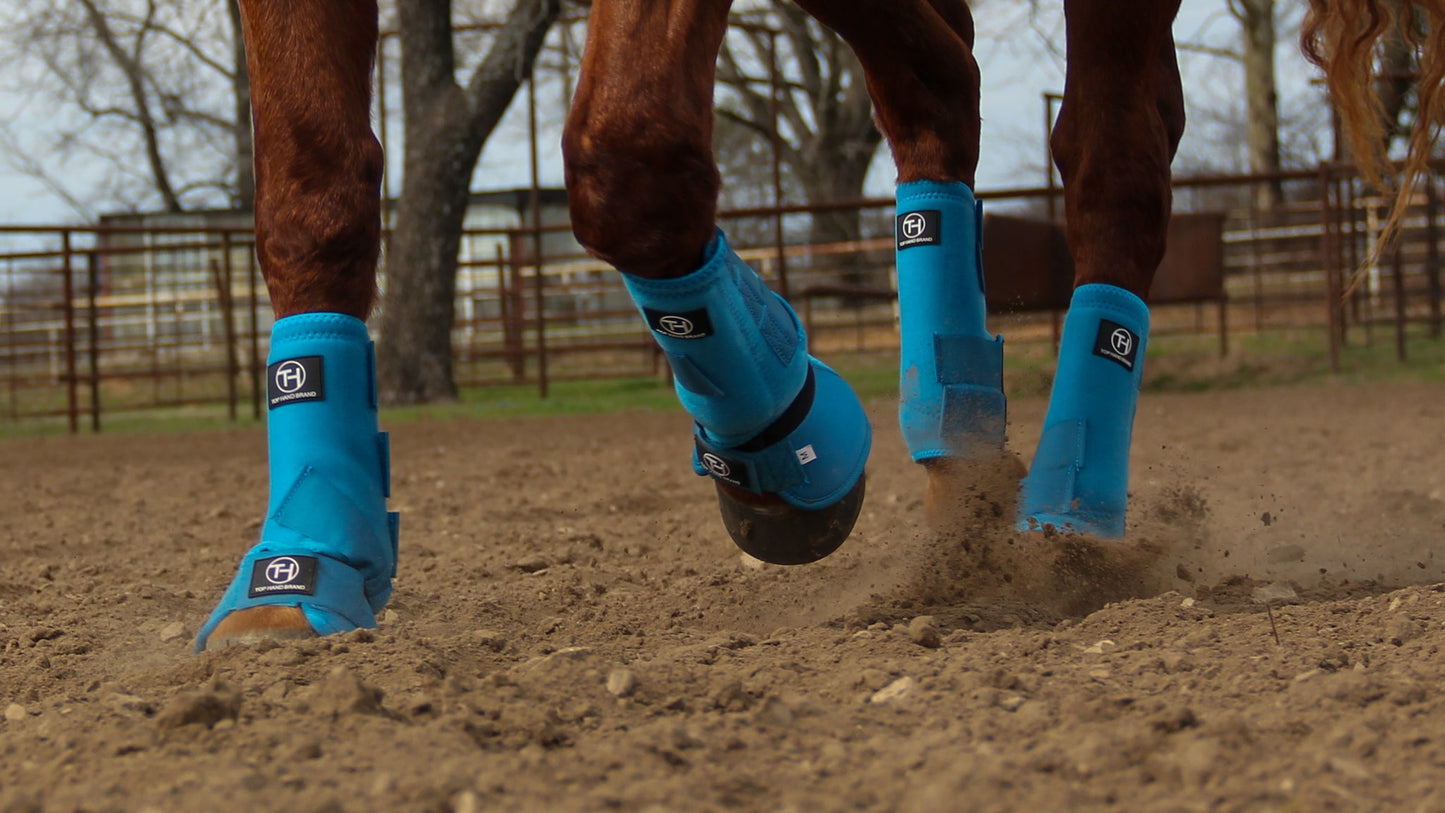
(572, 629)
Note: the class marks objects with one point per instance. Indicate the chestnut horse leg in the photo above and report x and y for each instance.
(924, 81)
(781, 434)
(327, 551)
(1119, 126)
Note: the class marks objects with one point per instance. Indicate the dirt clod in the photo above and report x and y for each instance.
(204, 707)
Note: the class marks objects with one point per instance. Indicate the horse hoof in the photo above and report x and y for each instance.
(769, 529)
(253, 624)
(968, 492)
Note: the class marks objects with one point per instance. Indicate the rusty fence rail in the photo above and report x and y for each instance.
(114, 318)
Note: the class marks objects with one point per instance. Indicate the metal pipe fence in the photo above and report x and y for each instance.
(104, 319)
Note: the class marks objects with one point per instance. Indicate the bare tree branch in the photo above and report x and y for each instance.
(1210, 50)
(141, 77)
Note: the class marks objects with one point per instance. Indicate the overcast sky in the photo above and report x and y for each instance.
(1018, 69)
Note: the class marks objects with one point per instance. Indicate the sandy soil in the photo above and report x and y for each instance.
(572, 630)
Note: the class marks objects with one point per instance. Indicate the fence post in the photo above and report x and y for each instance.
(1432, 255)
(1256, 266)
(517, 311)
(535, 201)
(93, 272)
(510, 310)
(1345, 213)
(541, 329)
(72, 403)
(1397, 272)
(1328, 250)
(222, 273)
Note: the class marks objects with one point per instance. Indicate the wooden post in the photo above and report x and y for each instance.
(72, 402)
(1397, 271)
(1330, 255)
(221, 274)
(1432, 255)
(92, 263)
(536, 206)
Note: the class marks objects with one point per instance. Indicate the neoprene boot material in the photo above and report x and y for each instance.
(328, 544)
(1079, 479)
(951, 400)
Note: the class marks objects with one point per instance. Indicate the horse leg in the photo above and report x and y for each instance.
(327, 552)
(782, 435)
(924, 81)
(1119, 126)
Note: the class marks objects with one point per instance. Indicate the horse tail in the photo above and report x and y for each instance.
(1341, 36)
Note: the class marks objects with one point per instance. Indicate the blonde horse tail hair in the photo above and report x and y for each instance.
(1341, 36)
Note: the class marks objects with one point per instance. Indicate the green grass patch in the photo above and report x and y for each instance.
(563, 398)
(1175, 363)
(1289, 357)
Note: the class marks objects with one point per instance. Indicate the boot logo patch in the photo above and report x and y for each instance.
(1117, 343)
(685, 325)
(716, 466)
(283, 575)
(732, 472)
(919, 228)
(295, 380)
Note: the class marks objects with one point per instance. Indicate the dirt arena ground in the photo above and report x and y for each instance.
(572, 630)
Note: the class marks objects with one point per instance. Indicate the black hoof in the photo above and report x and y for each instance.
(769, 529)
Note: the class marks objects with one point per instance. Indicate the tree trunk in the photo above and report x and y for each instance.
(415, 354)
(1256, 18)
(445, 127)
(839, 179)
(1397, 77)
(241, 85)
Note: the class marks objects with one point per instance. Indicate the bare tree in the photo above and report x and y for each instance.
(445, 125)
(1261, 94)
(1397, 77)
(1243, 106)
(816, 108)
(139, 89)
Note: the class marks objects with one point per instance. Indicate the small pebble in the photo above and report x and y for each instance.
(172, 631)
(531, 564)
(894, 691)
(491, 639)
(923, 631)
(621, 683)
(15, 712)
